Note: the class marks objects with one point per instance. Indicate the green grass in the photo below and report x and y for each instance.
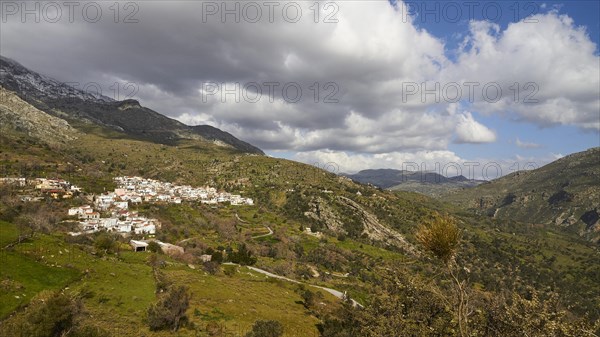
(372, 251)
(119, 288)
(22, 278)
(8, 233)
(239, 300)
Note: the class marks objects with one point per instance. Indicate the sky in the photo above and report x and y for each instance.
(479, 88)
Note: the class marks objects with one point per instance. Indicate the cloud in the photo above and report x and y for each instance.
(362, 64)
(446, 163)
(352, 162)
(526, 145)
(546, 68)
(468, 130)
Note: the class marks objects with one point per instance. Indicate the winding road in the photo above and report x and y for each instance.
(336, 293)
(264, 235)
(256, 236)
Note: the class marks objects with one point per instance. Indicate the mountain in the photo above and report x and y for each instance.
(17, 115)
(564, 193)
(362, 240)
(128, 116)
(428, 183)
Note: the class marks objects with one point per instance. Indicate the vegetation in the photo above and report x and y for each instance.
(266, 329)
(51, 316)
(511, 273)
(170, 310)
(441, 237)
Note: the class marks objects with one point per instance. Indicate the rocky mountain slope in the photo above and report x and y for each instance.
(563, 193)
(18, 115)
(128, 116)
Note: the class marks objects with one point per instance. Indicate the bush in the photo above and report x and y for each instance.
(211, 267)
(52, 317)
(154, 247)
(169, 311)
(440, 237)
(266, 329)
(105, 242)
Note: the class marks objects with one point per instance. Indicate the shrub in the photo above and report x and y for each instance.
(50, 317)
(169, 311)
(211, 267)
(266, 329)
(105, 242)
(154, 247)
(440, 237)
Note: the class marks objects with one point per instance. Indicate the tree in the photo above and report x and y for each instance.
(266, 329)
(217, 256)
(308, 298)
(400, 304)
(52, 316)
(440, 236)
(105, 242)
(169, 311)
(32, 223)
(520, 316)
(154, 247)
(243, 256)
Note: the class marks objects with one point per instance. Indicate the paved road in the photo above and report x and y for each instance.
(264, 235)
(333, 292)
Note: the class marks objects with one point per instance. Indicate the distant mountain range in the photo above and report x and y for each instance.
(565, 193)
(76, 107)
(425, 182)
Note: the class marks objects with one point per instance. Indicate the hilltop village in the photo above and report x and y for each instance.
(110, 210)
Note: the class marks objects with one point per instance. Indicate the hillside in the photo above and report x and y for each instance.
(564, 193)
(362, 241)
(365, 235)
(17, 115)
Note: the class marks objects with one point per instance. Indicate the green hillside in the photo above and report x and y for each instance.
(565, 193)
(368, 249)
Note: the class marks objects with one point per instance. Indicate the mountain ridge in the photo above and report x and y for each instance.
(565, 193)
(424, 182)
(74, 105)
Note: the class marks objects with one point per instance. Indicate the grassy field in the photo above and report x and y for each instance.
(23, 276)
(118, 289)
(237, 301)
(8, 233)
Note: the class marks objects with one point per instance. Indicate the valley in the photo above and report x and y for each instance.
(242, 217)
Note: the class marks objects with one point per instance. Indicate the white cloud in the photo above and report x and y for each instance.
(446, 163)
(369, 54)
(526, 145)
(352, 163)
(552, 61)
(468, 130)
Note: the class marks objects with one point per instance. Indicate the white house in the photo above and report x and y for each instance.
(90, 215)
(124, 227)
(147, 229)
(138, 246)
(123, 205)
